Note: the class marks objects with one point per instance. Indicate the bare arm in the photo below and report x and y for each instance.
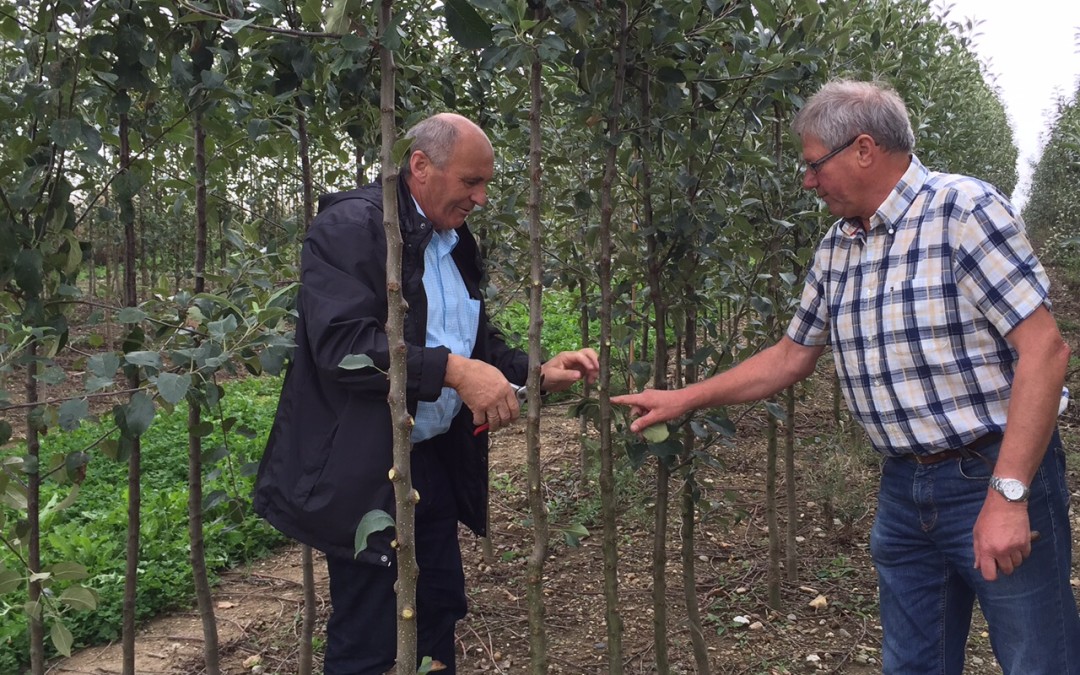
(762, 375)
(1002, 532)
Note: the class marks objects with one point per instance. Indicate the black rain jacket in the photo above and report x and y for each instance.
(330, 447)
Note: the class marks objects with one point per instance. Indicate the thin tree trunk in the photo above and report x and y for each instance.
(144, 268)
(688, 504)
(791, 560)
(688, 512)
(33, 514)
(131, 571)
(583, 422)
(607, 459)
(659, 305)
(538, 656)
(195, 493)
(770, 516)
(91, 280)
(404, 494)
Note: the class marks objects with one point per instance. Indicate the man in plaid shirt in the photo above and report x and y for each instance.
(936, 309)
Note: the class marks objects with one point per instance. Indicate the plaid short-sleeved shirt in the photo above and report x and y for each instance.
(916, 310)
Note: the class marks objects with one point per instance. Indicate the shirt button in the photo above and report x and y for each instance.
(384, 558)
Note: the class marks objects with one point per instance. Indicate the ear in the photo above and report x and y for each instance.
(867, 151)
(419, 164)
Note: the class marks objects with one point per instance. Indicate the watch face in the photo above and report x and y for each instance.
(1013, 489)
(1010, 488)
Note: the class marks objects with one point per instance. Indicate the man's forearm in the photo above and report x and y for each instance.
(1033, 405)
(769, 371)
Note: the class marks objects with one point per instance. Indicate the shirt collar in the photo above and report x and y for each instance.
(896, 205)
(447, 239)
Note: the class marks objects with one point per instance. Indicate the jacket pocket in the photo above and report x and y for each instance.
(313, 466)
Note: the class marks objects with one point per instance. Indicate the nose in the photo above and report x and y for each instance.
(809, 179)
(479, 196)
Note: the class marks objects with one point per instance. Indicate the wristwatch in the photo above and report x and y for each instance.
(1011, 489)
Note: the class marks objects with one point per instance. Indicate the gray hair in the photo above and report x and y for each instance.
(435, 137)
(845, 108)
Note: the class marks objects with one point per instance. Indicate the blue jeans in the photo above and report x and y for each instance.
(922, 547)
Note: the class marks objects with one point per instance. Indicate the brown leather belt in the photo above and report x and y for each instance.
(968, 451)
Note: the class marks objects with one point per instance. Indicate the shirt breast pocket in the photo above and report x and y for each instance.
(915, 322)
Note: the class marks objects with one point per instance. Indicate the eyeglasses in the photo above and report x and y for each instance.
(816, 165)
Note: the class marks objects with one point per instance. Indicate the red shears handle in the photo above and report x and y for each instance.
(522, 396)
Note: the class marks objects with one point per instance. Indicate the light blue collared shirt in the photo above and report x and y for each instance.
(452, 321)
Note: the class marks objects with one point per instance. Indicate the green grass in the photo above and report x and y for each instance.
(562, 323)
(92, 530)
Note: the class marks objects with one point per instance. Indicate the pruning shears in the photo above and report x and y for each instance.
(522, 395)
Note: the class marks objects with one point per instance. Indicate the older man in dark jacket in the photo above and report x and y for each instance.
(329, 451)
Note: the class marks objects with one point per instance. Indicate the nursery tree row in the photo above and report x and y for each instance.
(162, 160)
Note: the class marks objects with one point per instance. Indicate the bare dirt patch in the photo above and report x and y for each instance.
(258, 606)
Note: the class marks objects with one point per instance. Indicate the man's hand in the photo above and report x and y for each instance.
(1002, 536)
(566, 368)
(652, 406)
(484, 389)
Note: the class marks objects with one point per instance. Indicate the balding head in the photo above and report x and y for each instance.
(437, 135)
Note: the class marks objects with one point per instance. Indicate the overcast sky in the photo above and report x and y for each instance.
(1032, 46)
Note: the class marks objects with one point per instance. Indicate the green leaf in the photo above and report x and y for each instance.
(221, 329)
(172, 387)
(338, 17)
(72, 413)
(79, 598)
(9, 29)
(212, 79)
(95, 382)
(28, 271)
(135, 417)
(61, 638)
(372, 522)
(272, 6)
(143, 359)
(9, 581)
(657, 433)
(574, 534)
(311, 12)
(466, 26)
(202, 429)
(14, 496)
(65, 132)
(776, 410)
(130, 315)
(104, 365)
(356, 362)
(236, 25)
(637, 453)
(401, 148)
(5, 432)
(68, 571)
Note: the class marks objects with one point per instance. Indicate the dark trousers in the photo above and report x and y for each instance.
(361, 634)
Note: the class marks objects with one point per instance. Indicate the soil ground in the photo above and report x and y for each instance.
(827, 622)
